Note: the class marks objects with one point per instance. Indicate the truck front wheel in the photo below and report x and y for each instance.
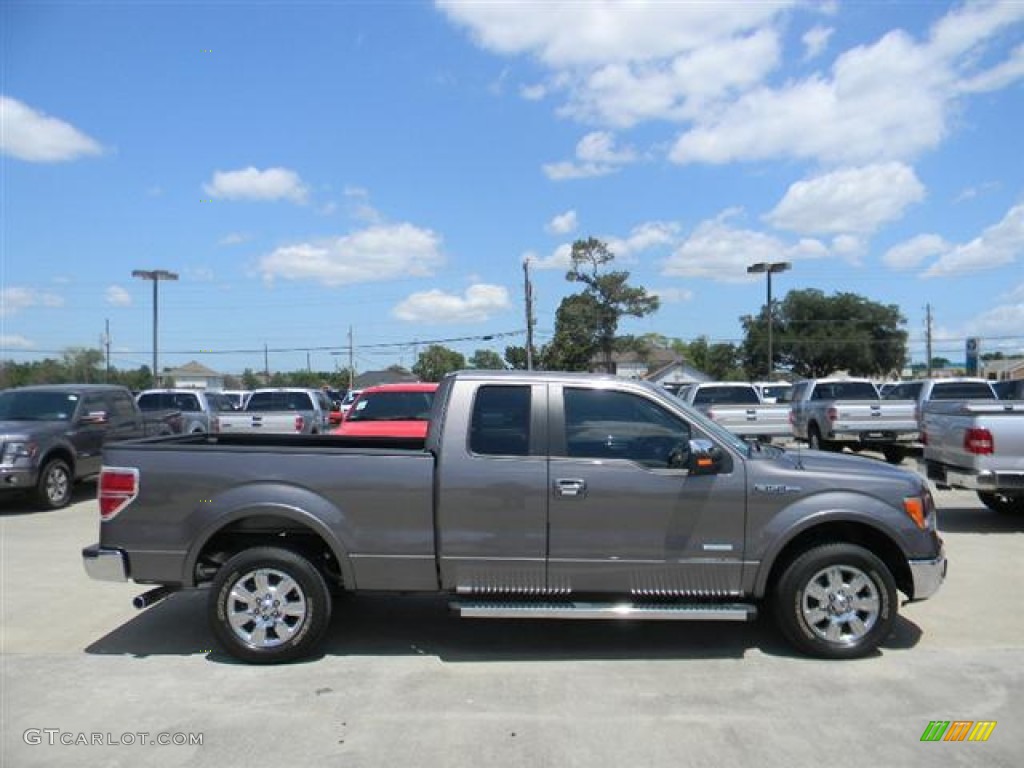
(269, 605)
(836, 601)
(1003, 502)
(53, 490)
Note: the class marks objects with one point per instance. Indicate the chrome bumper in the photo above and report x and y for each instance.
(928, 575)
(985, 480)
(105, 564)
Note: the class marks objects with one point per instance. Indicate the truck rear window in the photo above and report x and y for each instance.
(726, 396)
(500, 424)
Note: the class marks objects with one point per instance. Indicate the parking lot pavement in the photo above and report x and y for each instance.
(403, 683)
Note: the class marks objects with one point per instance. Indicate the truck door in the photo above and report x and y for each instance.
(621, 519)
(492, 499)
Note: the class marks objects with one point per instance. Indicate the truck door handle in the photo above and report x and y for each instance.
(570, 487)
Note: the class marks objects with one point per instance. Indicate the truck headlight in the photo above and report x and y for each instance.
(920, 509)
(17, 450)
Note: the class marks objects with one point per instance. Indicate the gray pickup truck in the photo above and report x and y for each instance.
(200, 410)
(831, 413)
(979, 446)
(533, 496)
(738, 407)
(52, 436)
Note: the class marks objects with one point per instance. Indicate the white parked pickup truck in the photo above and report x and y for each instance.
(831, 413)
(978, 446)
(738, 407)
(286, 410)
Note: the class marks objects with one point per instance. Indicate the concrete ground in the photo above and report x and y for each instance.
(401, 682)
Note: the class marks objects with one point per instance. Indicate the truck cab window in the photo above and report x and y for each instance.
(606, 424)
(500, 424)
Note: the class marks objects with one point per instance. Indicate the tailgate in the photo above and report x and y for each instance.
(897, 416)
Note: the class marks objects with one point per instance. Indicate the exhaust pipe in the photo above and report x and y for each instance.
(152, 597)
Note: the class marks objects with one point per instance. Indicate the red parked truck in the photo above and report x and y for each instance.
(390, 410)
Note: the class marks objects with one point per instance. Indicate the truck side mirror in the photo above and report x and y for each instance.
(94, 419)
(705, 458)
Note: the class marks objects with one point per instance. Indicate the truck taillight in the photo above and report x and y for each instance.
(299, 423)
(116, 489)
(832, 414)
(978, 440)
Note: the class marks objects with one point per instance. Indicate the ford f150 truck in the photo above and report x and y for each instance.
(831, 413)
(285, 410)
(738, 407)
(52, 436)
(533, 496)
(979, 446)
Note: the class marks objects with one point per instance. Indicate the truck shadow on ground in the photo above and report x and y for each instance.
(16, 503)
(424, 626)
(978, 520)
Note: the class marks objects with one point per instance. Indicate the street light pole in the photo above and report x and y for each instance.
(156, 275)
(769, 268)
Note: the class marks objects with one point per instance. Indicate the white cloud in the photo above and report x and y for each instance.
(913, 252)
(672, 295)
(359, 206)
(642, 237)
(562, 224)
(17, 298)
(377, 253)
(15, 342)
(718, 251)
(38, 138)
(534, 92)
(889, 100)
(479, 303)
(117, 296)
(849, 200)
(1001, 320)
(568, 34)
(1000, 244)
(560, 258)
(815, 41)
(596, 155)
(253, 184)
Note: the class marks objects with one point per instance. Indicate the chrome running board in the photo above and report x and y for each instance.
(482, 609)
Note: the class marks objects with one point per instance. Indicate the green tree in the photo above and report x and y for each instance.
(610, 291)
(249, 380)
(82, 364)
(815, 335)
(574, 344)
(515, 357)
(486, 360)
(436, 361)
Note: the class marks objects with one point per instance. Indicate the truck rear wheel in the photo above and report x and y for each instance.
(894, 454)
(53, 489)
(1004, 503)
(269, 605)
(836, 601)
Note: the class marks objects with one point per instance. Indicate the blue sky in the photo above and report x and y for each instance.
(310, 167)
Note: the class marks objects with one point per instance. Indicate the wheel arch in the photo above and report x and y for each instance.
(876, 541)
(309, 528)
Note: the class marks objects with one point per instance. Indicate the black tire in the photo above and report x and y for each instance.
(817, 442)
(288, 611)
(1003, 503)
(836, 601)
(894, 454)
(53, 489)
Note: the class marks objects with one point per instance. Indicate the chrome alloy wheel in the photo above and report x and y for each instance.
(265, 608)
(58, 484)
(840, 604)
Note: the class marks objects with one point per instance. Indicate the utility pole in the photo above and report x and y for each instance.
(106, 347)
(928, 337)
(351, 359)
(769, 269)
(529, 314)
(266, 364)
(156, 275)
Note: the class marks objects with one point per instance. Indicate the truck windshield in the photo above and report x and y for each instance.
(37, 406)
(392, 406)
